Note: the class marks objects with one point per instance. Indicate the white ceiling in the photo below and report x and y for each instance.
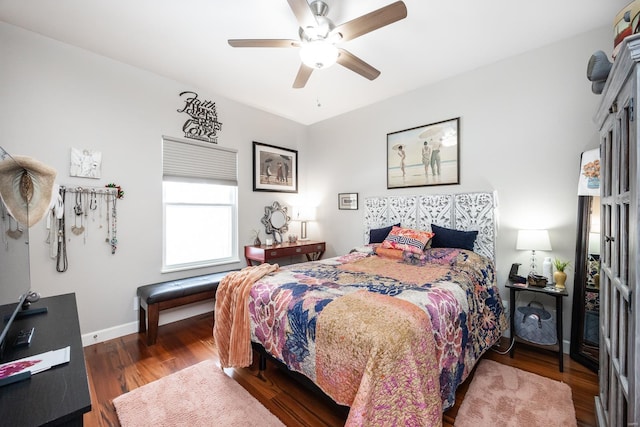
(186, 40)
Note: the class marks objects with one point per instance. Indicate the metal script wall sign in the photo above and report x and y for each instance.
(203, 123)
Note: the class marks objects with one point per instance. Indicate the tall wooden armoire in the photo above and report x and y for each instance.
(618, 402)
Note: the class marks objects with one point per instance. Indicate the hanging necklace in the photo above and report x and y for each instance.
(77, 209)
(93, 205)
(100, 209)
(61, 260)
(86, 218)
(108, 238)
(114, 223)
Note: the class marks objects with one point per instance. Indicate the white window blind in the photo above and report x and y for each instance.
(194, 159)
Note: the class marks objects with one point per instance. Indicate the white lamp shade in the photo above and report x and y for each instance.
(535, 240)
(304, 213)
(318, 54)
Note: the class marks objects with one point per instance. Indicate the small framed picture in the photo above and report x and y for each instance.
(348, 201)
(274, 168)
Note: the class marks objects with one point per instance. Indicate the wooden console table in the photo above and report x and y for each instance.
(263, 253)
(58, 396)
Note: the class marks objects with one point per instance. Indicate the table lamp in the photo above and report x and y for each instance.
(533, 240)
(303, 214)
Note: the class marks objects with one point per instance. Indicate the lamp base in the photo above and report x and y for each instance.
(303, 231)
(533, 262)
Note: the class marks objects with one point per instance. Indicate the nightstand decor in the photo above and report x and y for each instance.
(533, 240)
(536, 280)
(303, 214)
(535, 324)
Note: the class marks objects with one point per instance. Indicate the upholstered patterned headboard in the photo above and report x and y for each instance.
(460, 211)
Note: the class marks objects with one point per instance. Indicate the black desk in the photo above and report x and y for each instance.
(550, 290)
(60, 395)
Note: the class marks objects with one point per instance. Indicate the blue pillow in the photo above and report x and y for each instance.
(377, 235)
(448, 238)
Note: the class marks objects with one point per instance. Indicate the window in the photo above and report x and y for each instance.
(200, 205)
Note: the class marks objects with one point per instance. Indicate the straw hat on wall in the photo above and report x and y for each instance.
(26, 188)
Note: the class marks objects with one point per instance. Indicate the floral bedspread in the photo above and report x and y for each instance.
(455, 287)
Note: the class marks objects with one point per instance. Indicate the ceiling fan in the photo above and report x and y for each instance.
(319, 36)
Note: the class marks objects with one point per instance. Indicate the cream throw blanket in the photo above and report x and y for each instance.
(232, 326)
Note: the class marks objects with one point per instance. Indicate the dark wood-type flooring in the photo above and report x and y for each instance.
(122, 364)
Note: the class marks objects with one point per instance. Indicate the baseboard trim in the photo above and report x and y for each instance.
(166, 316)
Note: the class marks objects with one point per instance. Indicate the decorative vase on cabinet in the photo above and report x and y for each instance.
(560, 277)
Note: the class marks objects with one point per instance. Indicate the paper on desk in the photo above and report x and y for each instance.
(37, 363)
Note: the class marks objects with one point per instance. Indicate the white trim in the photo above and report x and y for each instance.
(166, 316)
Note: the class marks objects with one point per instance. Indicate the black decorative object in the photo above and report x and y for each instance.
(203, 123)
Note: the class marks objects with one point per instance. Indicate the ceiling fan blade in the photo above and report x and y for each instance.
(303, 76)
(264, 43)
(357, 65)
(303, 13)
(372, 21)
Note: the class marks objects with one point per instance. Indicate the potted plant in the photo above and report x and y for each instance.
(559, 276)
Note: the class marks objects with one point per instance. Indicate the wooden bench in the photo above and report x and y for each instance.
(161, 296)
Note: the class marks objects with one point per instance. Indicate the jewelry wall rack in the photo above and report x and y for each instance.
(113, 191)
(81, 206)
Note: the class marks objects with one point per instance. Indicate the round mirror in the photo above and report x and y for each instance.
(276, 221)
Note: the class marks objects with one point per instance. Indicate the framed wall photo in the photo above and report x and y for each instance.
(348, 201)
(424, 155)
(274, 168)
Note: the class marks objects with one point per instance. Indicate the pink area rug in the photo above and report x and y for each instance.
(501, 395)
(200, 395)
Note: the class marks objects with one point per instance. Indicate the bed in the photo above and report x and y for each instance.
(390, 334)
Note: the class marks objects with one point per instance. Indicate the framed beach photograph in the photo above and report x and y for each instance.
(274, 168)
(348, 201)
(424, 155)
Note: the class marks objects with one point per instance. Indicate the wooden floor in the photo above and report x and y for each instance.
(117, 366)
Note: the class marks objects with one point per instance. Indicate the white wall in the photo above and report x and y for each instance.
(524, 122)
(54, 97)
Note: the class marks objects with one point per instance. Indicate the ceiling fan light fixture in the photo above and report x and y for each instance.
(318, 54)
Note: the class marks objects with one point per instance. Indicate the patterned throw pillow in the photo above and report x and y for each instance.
(407, 239)
(440, 256)
(389, 253)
